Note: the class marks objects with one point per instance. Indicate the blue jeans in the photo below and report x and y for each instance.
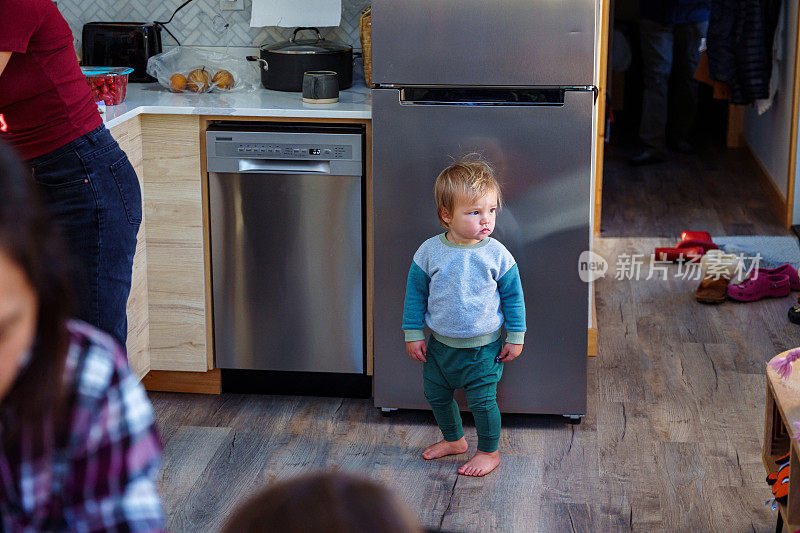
(92, 193)
(668, 50)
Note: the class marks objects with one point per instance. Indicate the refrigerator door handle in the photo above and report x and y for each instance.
(483, 96)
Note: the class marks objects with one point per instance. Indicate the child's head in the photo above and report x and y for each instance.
(334, 502)
(464, 184)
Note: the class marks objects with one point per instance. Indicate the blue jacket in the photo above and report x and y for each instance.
(671, 12)
(740, 35)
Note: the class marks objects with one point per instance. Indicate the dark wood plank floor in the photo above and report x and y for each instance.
(717, 190)
(671, 440)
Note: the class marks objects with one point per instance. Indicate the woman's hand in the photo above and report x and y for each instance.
(509, 352)
(417, 350)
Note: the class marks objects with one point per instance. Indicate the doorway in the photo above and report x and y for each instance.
(731, 184)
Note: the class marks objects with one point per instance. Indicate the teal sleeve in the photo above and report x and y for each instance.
(512, 303)
(416, 303)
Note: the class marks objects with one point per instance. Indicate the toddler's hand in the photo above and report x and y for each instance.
(509, 352)
(417, 350)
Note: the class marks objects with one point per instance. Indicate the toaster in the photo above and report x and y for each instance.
(121, 44)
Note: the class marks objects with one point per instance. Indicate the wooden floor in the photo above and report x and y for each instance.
(672, 437)
(716, 191)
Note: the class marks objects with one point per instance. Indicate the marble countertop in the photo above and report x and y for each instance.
(355, 102)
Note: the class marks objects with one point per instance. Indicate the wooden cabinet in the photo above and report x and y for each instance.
(167, 304)
(175, 261)
(129, 137)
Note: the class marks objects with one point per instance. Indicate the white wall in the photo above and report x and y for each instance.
(768, 134)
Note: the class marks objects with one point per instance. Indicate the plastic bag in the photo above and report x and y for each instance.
(186, 69)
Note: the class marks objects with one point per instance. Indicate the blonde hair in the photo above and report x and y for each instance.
(467, 180)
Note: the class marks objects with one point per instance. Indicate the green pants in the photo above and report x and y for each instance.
(477, 372)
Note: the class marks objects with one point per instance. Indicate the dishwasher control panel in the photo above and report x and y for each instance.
(231, 148)
(255, 151)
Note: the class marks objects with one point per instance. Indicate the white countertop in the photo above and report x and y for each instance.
(355, 102)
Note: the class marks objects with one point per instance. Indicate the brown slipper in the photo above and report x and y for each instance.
(712, 291)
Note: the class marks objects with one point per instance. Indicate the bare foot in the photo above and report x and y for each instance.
(445, 447)
(481, 464)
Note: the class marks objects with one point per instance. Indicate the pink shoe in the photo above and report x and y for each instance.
(794, 279)
(764, 286)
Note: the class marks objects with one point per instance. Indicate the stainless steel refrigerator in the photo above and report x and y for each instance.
(513, 80)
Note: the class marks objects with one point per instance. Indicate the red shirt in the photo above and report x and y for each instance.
(44, 99)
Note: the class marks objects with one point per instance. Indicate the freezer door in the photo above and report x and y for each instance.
(542, 155)
(475, 42)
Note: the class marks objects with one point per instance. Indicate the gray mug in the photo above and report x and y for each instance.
(320, 87)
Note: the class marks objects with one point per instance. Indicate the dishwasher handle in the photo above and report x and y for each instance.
(284, 166)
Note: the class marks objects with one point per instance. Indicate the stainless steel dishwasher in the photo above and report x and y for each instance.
(286, 246)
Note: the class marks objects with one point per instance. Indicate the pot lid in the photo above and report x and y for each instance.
(319, 45)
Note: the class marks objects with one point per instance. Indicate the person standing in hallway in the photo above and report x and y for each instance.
(671, 33)
(48, 115)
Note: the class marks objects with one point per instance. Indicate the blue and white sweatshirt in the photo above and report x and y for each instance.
(465, 293)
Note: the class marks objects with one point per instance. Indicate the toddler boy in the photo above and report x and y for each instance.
(464, 285)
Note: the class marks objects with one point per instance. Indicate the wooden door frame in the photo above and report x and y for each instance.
(789, 214)
(604, 40)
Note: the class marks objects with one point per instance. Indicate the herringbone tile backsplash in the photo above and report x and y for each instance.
(195, 24)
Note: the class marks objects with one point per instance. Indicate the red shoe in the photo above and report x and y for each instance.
(697, 238)
(693, 245)
(693, 253)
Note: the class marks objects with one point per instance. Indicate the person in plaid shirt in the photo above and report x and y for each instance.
(79, 449)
